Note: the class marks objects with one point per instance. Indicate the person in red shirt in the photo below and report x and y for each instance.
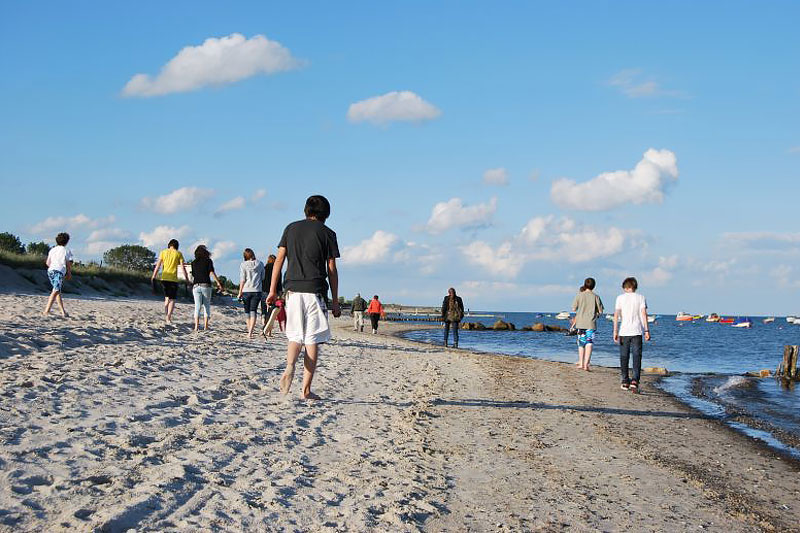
(375, 312)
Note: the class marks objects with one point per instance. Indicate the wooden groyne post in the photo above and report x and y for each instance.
(788, 367)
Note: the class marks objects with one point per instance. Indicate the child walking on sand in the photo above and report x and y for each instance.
(59, 268)
(630, 324)
(170, 259)
(310, 248)
(587, 306)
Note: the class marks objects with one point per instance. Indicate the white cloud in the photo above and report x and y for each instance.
(764, 240)
(258, 195)
(104, 239)
(500, 261)
(161, 235)
(646, 183)
(785, 276)
(492, 289)
(794, 149)
(454, 214)
(178, 200)
(496, 176)
(404, 106)
(74, 223)
(375, 249)
(223, 249)
(218, 61)
(549, 238)
(231, 205)
(634, 84)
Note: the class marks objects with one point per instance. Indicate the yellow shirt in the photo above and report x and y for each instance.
(170, 259)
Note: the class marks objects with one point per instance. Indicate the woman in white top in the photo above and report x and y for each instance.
(59, 268)
(630, 324)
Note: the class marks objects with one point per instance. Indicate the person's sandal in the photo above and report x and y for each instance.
(624, 386)
(634, 387)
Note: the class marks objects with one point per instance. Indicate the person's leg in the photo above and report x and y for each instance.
(373, 318)
(636, 349)
(264, 309)
(60, 303)
(197, 294)
(309, 366)
(292, 353)
(624, 357)
(455, 334)
(446, 331)
(49, 303)
(170, 310)
(206, 306)
(587, 355)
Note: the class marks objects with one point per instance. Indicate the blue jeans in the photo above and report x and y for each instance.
(251, 303)
(202, 298)
(447, 325)
(630, 346)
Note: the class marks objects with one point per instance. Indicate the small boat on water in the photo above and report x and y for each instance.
(684, 317)
(790, 319)
(769, 320)
(743, 322)
(651, 319)
(563, 315)
(727, 320)
(713, 317)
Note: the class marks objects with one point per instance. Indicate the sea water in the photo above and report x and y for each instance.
(706, 361)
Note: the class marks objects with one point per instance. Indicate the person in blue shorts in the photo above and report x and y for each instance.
(587, 307)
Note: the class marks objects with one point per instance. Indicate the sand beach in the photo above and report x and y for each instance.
(110, 421)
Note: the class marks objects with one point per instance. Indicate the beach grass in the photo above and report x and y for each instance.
(35, 262)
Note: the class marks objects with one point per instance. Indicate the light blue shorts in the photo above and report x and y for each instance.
(585, 336)
(56, 279)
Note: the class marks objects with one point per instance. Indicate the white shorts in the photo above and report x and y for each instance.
(306, 318)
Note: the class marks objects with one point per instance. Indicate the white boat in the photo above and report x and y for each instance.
(790, 319)
(563, 315)
(743, 323)
(651, 319)
(769, 320)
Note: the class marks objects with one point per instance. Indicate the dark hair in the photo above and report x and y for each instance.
(173, 244)
(375, 297)
(589, 283)
(451, 296)
(319, 207)
(201, 252)
(630, 283)
(249, 255)
(62, 239)
(271, 258)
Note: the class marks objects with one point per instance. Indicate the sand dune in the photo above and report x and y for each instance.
(110, 421)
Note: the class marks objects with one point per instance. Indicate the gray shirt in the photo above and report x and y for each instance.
(252, 274)
(587, 306)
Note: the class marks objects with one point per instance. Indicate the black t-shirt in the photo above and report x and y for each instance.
(268, 279)
(201, 270)
(309, 244)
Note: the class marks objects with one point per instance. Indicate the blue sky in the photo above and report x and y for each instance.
(461, 144)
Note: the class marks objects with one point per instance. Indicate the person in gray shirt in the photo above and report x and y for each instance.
(587, 307)
(251, 276)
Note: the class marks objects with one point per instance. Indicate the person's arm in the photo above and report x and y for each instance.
(219, 284)
(155, 270)
(616, 324)
(241, 280)
(333, 279)
(276, 274)
(600, 307)
(645, 323)
(69, 270)
(185, 272)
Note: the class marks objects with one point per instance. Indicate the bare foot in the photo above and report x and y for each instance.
(310, 396)
(586, 368)
(65, 314)
(286, 382)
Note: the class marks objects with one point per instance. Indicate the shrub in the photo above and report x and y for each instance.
(11, 243)
(130, 257)
(37, 248)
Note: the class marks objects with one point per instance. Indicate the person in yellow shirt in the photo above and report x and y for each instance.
(168, 261)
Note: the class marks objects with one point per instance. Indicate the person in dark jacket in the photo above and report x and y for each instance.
(266, 310)
(359, 306)
(452, 313)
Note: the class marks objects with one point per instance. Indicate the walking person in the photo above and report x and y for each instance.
(587, 307)
(251, 276)
(59, 269)
(267, 310)
(630, 325)
(375, 312)
(311, 249)
(358, 307)
(202, 272)
(168, 262)
(452, 314)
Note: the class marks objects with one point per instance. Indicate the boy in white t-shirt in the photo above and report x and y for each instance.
(59, 268)
(630, 324)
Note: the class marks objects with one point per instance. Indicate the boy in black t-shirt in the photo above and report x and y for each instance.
(311, 250)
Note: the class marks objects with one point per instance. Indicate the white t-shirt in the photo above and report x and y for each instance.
(630, 305)
(58, 257)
